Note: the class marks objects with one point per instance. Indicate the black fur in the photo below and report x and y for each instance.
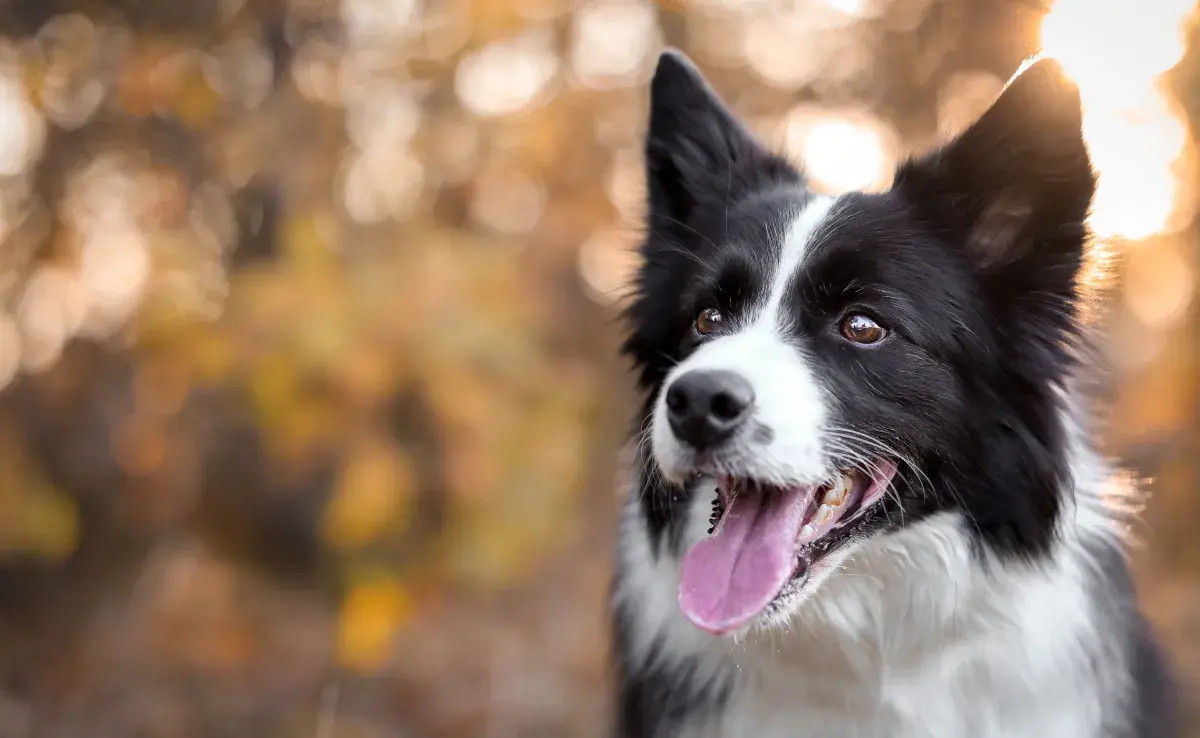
(652, 701)
(971, 261)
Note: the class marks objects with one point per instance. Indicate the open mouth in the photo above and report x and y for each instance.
(765, 539)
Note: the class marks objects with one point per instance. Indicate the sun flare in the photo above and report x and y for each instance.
(1117, 52)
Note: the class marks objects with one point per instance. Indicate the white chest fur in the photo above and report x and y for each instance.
(914, 637)
(974, 688)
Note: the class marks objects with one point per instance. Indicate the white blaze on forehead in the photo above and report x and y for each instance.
(792, 255)
(790, 403)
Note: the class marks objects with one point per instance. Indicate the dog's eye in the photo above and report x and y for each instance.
(708, 321)
(862, 329)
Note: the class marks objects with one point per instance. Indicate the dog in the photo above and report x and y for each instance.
(863, 499)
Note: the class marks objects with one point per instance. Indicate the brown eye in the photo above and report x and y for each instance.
(708, 321)
(862, 329)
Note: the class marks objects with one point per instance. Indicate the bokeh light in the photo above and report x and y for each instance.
(782, 51)
(842, 150)
(964, 98)
(22, 129)
(10, 349)
(508, 201)
(614, 42)
(507, 77)
(1116, 52)
(1159, 287)
(50, 310)
(77, 73)
(382, 21)
(607, 262)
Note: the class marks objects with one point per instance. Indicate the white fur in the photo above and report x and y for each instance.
(788, 398)
(911, 637)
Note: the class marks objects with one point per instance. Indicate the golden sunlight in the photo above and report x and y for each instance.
(842, 150)
(1116, 51)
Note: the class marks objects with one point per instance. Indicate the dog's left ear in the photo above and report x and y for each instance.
(698, 155)
(1015, 187)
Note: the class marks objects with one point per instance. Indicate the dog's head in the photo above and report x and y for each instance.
(837, 368)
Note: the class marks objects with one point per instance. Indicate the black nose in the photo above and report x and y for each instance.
(706, 407)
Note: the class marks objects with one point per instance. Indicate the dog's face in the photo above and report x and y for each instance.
(822, 370)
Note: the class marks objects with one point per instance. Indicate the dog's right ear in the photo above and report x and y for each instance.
(697, 153)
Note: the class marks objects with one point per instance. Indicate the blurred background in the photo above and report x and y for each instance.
(310, 408)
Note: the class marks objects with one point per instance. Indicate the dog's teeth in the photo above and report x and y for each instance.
(835, 496)
(839, 490)
(824, 515)
(807, 530)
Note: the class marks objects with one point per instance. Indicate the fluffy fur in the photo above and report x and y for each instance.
(987, 594)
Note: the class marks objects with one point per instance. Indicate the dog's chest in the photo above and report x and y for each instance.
(941, 699)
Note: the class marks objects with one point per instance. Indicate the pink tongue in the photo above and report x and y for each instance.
(729, 577)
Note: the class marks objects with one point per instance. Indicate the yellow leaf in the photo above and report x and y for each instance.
(370, 617)
(210, 352)
(38, 518)
(307, 238)
(369, 500)
(53, 525)
(274, 385)
(196, 102)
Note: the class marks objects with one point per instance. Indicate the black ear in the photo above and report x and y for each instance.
(1018, 183)
(698, 155)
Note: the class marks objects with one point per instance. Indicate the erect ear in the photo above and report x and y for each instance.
(1018, 183)
(697, 153)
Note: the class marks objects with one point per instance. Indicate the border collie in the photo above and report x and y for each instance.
(863, 501)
